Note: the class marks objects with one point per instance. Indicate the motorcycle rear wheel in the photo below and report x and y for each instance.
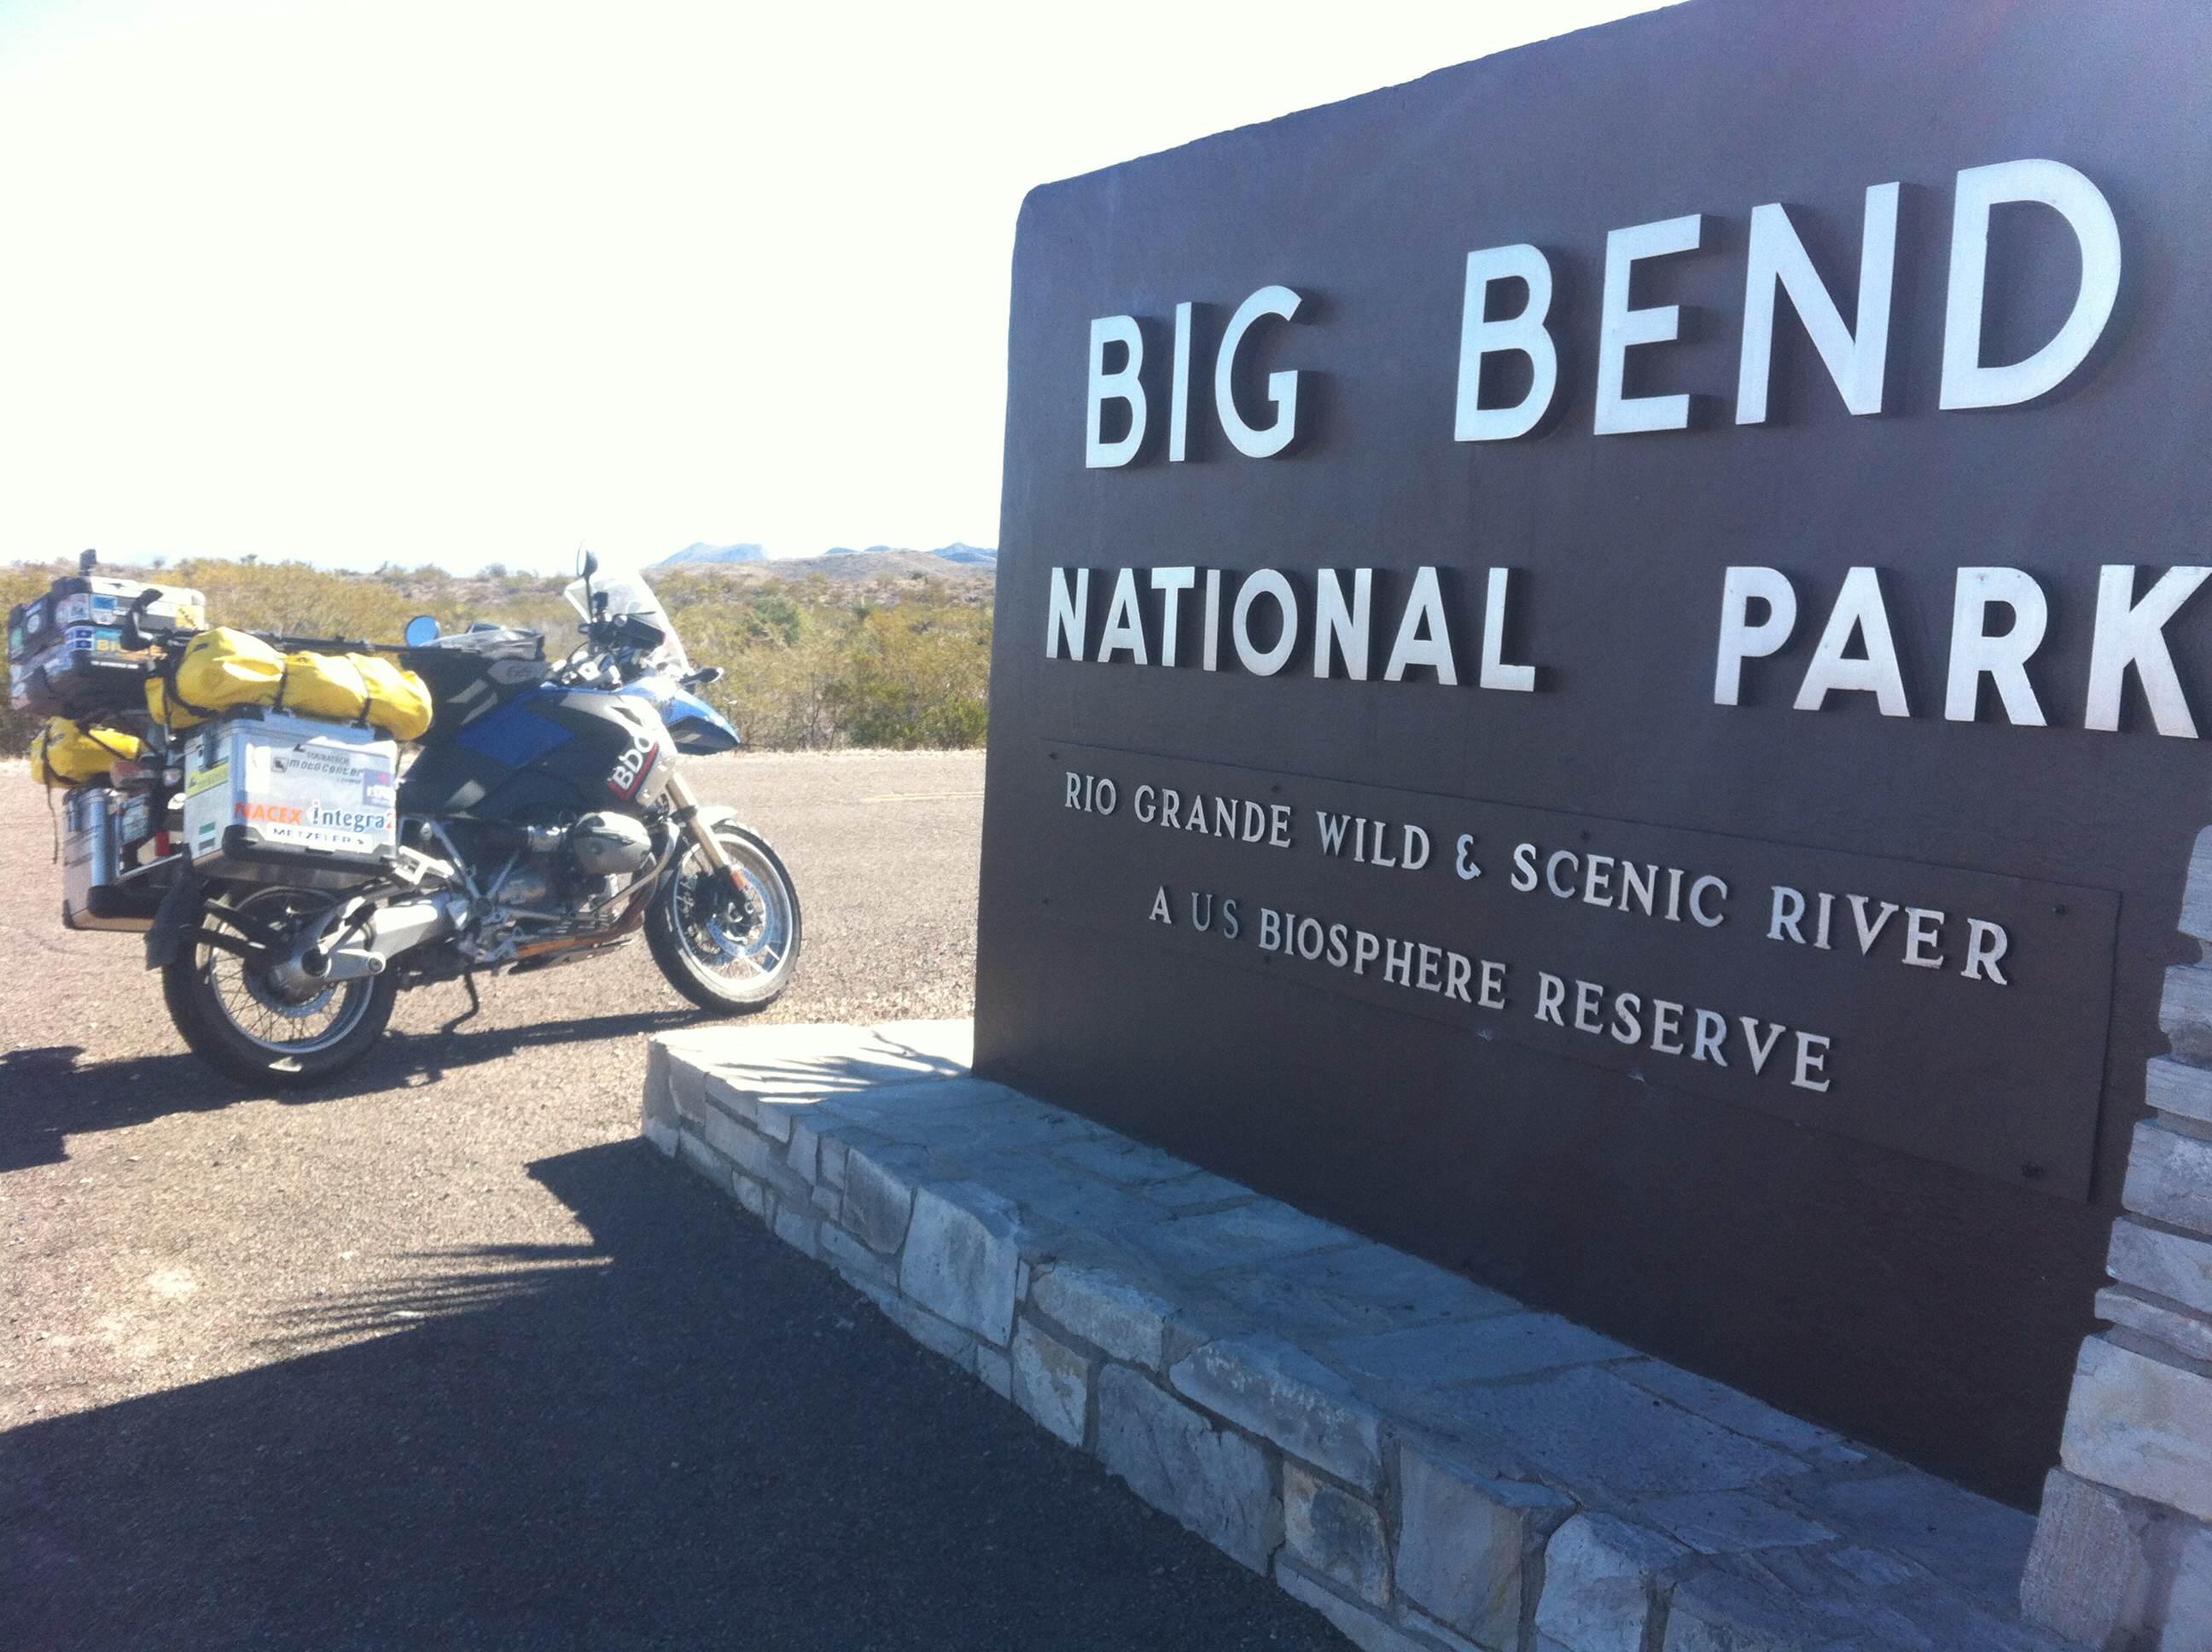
(234, 1020)
(730, 961)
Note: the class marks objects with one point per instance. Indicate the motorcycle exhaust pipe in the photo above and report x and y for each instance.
(371, 944)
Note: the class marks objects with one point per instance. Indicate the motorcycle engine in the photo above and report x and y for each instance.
(610, 846)
(560, 881)
(563, 865)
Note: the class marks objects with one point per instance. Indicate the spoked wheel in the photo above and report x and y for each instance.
(731, 950)
(239, 1021)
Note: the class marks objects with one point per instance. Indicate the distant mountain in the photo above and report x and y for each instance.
(959, 552)
(700, 551)
(883, 574)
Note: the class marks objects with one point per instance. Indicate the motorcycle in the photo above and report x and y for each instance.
(543, 822)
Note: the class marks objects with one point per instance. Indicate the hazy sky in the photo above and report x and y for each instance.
(465, 283)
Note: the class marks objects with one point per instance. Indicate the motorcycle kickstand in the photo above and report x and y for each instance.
(476, 1003)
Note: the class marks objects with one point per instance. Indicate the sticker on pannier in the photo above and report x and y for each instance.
(265, 793)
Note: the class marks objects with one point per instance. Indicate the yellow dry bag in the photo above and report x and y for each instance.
(62, 754)
(324, 685)
(165, 710)
(223, 668)
(399, 701)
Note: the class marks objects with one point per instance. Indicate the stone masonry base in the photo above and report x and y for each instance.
(2122, 1556)
(1426, 1462)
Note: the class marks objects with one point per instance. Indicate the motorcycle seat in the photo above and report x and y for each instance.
(471, 673)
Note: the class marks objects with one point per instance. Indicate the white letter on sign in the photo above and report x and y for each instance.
(1282, 387)
(1341, 628)
(1171, 583)
(1975, 652)
(1967, 382)
(1524, 333)
(1125, 623)
(1424, 638)
(1740, 639)
(2130, 632)
(1855, 358)
(1496, 673)
(1179, 391)
(1265, 582)
(1067, 616)
(1120, 385)
(1858, 609)
(1621, 327)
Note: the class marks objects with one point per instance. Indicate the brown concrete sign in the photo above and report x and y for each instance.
(1599, 669)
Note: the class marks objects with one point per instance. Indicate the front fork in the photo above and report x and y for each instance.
(686, 816)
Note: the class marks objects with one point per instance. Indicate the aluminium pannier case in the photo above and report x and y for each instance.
(86, 673)
(25, 632)
(103, 828)
(93, 599)
(280, 799)
(65, 649)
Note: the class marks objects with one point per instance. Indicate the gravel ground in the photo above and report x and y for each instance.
(440, 1355)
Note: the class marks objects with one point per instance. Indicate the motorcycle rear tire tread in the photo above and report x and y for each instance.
(209, 1035)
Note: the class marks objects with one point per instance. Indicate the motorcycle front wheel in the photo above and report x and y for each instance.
(727, 952)
(236, 1021)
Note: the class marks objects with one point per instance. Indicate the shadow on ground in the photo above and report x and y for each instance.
(53, 1092)
(680, 1433)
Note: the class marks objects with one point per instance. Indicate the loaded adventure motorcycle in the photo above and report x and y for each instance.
(241, 800)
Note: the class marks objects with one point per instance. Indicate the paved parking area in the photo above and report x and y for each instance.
(443, 1356)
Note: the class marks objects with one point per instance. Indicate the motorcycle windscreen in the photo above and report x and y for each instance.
(628, 594)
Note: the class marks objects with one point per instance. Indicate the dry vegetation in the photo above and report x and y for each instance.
(865, 650)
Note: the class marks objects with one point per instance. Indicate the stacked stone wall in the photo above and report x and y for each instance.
(2123, 1555)
(1428, 1463)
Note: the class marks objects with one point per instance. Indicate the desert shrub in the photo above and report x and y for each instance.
(917, 674)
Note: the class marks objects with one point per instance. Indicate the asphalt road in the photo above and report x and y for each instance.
(440, 1355)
